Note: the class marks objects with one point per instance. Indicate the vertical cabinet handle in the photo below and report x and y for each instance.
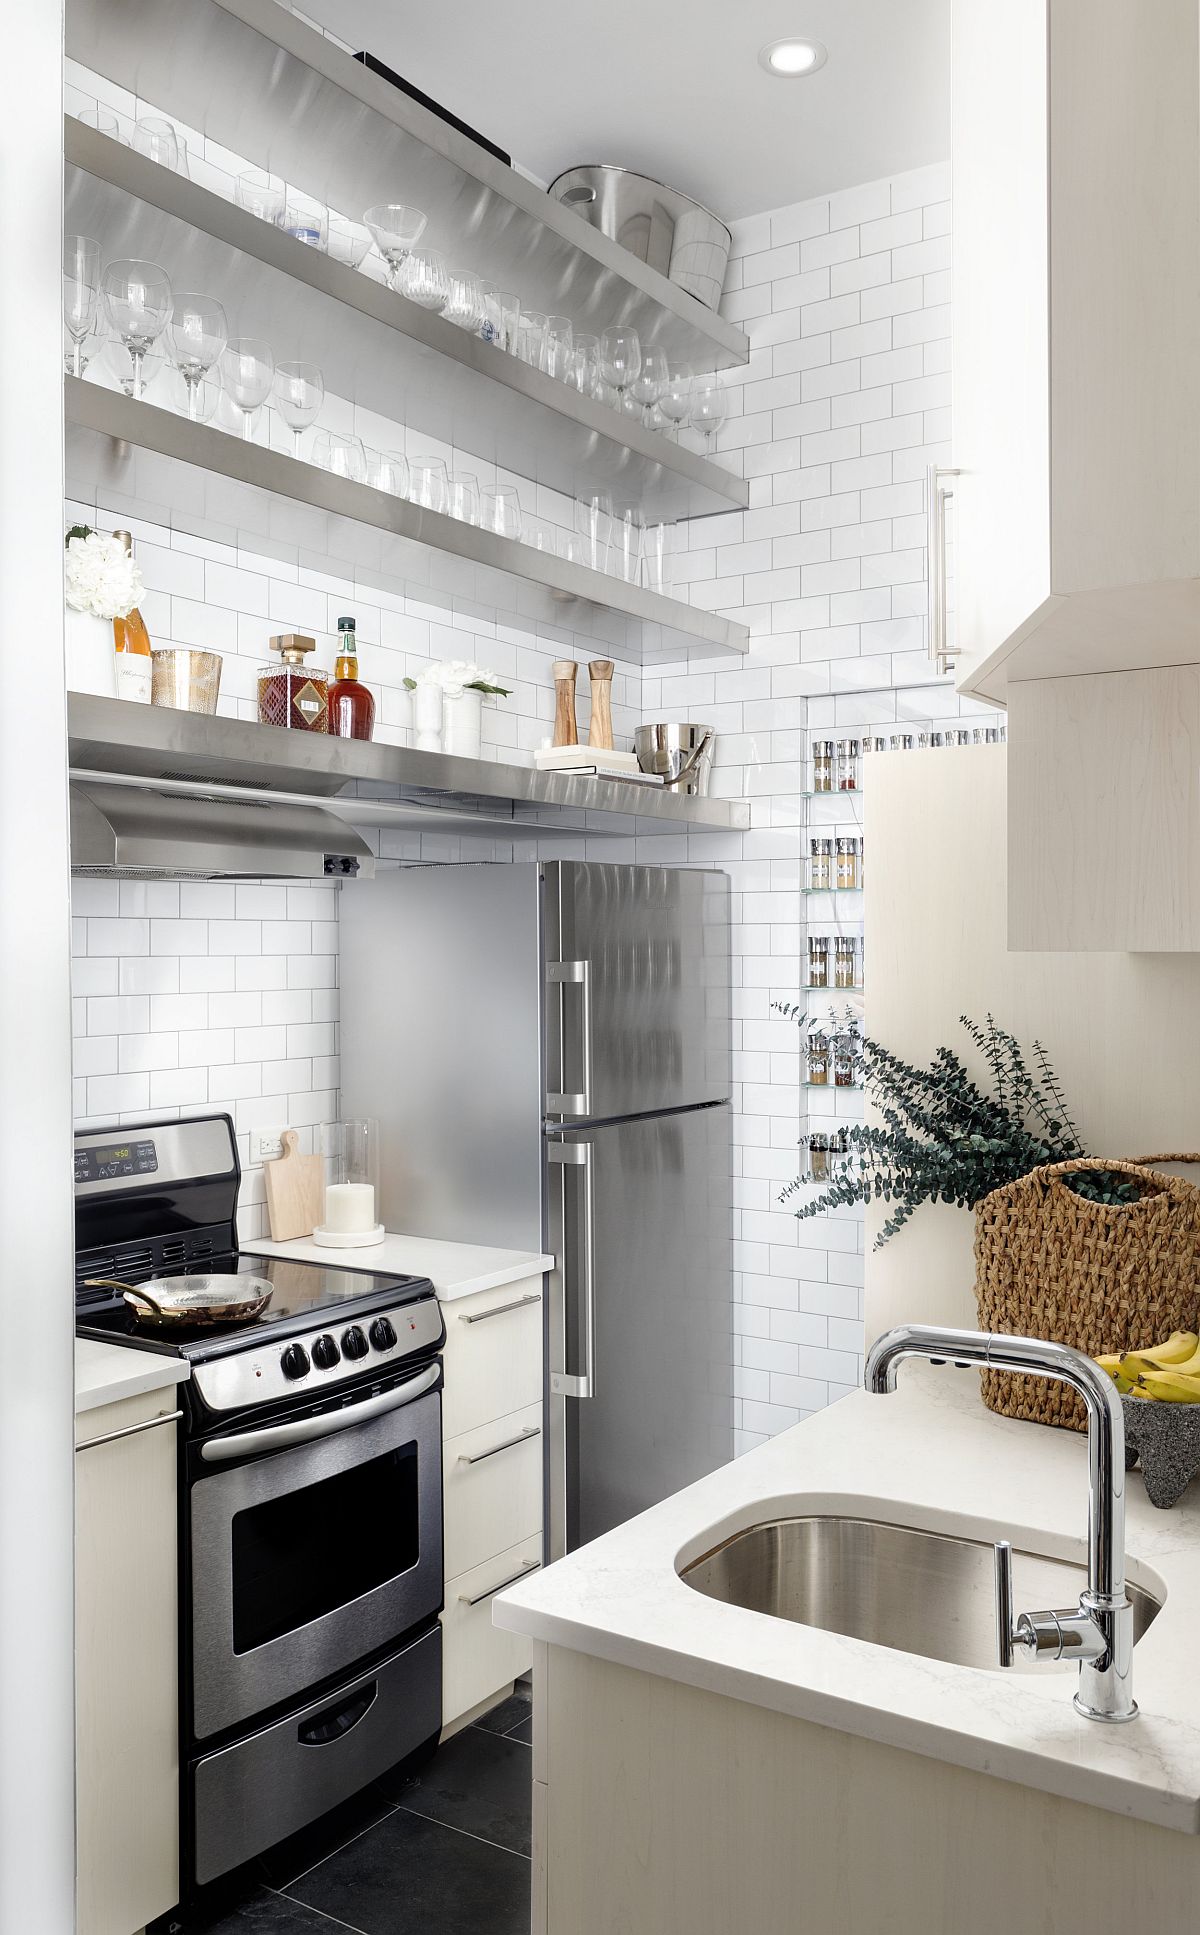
(937, 494)
(564, 974)
(581, 1383)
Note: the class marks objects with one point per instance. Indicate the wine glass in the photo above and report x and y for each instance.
(710, 407)
(675, 397)
(299, 392)
(137, 302)
(134, 376)
(649, 384)
(247, 372)
(196, 335)
(620, 360)
(424, 280)
(261, 194)
(81, 292)
(395, 231)
(160, 141)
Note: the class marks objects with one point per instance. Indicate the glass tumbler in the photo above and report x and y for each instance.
(429, 483)
(558, 347)
(500, 511)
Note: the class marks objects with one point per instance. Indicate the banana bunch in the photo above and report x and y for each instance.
(1169, 1372)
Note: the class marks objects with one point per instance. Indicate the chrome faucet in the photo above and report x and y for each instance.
(1098, 1633)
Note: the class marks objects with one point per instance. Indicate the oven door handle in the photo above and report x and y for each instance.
(303, 1431)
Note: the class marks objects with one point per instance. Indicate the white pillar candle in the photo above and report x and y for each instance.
(350, 1206)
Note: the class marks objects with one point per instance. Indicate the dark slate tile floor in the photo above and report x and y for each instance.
(442, 1851)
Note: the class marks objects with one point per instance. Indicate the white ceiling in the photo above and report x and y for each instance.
(673, 87)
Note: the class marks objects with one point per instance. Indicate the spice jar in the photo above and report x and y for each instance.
(291, 693)
(823, 770)
(902, 742)
(849, 774)
(962, 737)
(818, 1158)
(845, 960)
(820, 866)
(874, 744)
(938, 739)
(818, 1061)
(818, 961)
(849, 863)
(843, 1061)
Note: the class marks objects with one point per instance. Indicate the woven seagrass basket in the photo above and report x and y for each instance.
(1098, 1276)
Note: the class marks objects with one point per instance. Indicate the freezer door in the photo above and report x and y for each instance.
(637, 994)
(640, 1316)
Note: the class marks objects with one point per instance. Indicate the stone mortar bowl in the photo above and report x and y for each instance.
(1164, 1439)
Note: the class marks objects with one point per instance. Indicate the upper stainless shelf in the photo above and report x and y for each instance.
(154, 742)
(374, 347)
(148, 462)
(264, 84)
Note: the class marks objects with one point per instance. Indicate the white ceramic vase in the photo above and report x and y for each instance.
(91, 654)
(427, 718)
(462, 724)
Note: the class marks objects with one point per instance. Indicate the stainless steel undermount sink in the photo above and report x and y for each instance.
(916, 1592)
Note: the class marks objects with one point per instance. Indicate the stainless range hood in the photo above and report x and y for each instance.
(138, 832)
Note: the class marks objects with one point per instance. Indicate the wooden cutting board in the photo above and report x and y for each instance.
(295, 1190)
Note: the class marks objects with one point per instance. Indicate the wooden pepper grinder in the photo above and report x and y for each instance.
(600, 671)
(565, 731)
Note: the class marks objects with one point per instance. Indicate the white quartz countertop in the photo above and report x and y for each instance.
(928, 1455)
(106, 1373)
(454, 1269)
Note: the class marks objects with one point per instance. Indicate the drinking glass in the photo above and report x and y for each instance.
(348, 242)
(307, 221)
(585, 367)
(424, 279)
(429, 483)
(395, 231)
(573, 547)
(299, 393)
(710, 407)
(134, 376)
(487, 296)
(500, 511)
(464, 496)
(558, 347)
(195, 401)
(628, 530)
(388, 470)
(531, 337)
(593, 521)
(464, 305)
(137, 302)
(341, 456)
(656, 556)
(247, 372)
(620, 360)
(103, 120)
(261, 194)
(196, 335)
(675, 397)
(504, 319)
(160, 141)
(649, 384)
(81, 292)
(541, 534)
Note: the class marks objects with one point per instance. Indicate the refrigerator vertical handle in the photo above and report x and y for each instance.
(582, 1383)
(574, 974)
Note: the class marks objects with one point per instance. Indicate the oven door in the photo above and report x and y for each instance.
(313, 1541)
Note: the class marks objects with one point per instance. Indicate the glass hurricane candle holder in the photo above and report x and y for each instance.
(350, 1153)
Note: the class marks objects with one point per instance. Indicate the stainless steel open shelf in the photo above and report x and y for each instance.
(148, 462)
(266, 85)
(372, 345)
(373, 784)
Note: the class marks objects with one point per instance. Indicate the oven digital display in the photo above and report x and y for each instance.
(114, 1159)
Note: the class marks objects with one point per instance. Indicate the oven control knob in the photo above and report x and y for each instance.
(382, 1334)
(326, 1353)
(354, 1344)
(294, 1362)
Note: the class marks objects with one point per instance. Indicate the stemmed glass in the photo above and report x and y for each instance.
(299, 392)
(395, 231)
(675, 398)
(649, 384)
(137, 302)
(710, 407)
(81, 293)
(247, 372)
(196, 335)
(620, 360)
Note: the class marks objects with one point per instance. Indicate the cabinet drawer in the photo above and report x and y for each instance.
(477, 1657)
(493, 1355)
(492, 1487)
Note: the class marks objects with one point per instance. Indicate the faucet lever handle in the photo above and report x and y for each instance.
(1004, 1602)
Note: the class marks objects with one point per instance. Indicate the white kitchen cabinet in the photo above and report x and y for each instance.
(1076, 311)
(127, 1653)
(493, 1451)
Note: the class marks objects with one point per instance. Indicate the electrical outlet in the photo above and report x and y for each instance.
(265, 1144)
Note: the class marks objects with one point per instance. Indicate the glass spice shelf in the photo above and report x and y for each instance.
(856, 987)
(835, 1088)
(834, 891)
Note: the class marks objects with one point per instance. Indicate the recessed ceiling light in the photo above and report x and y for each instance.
(790, 59)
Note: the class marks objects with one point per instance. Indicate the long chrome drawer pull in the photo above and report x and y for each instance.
(501, 1309)
(130, 1430)
(477, 1599)
(477, 1457)
(302, 1431)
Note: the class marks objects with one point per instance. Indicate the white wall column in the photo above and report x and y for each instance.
(37, 1830)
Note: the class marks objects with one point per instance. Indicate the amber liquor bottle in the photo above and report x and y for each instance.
(351, 706)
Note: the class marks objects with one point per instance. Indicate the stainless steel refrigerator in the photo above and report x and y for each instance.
(546, 1046)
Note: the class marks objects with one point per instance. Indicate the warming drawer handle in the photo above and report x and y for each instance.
(273, 1437)
(477, 1598)
(522, 1437)
(334, 1723)
(500, 1309)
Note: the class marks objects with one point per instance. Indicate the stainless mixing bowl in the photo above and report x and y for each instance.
(681, 755)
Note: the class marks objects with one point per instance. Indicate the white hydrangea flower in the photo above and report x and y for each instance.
(100, 577)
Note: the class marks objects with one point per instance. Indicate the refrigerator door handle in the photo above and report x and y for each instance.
(574, 974)
(578, 1155)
